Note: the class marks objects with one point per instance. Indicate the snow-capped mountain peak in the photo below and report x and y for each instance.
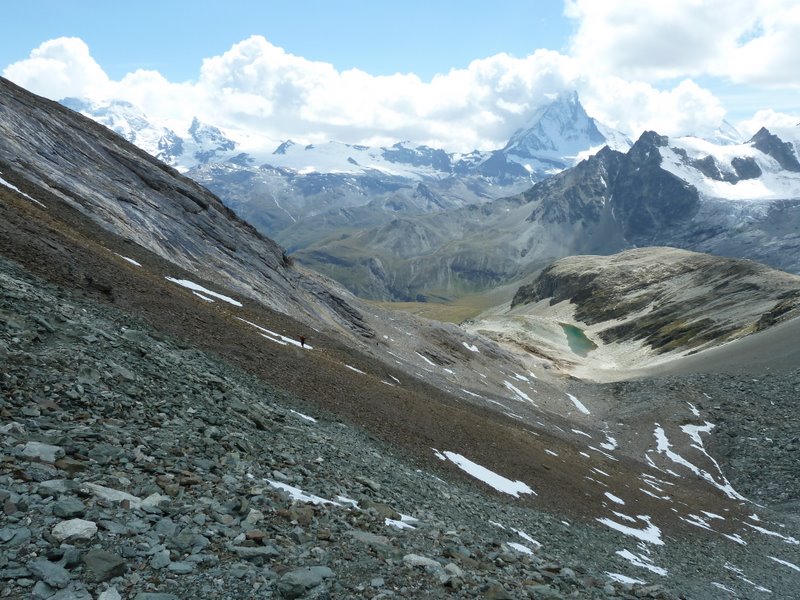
(180, 147)
(558, 135)
(764, 168)
(560, 128)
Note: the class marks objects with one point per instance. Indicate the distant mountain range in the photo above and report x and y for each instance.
(740, 200)
(278, 190)
(408, 222)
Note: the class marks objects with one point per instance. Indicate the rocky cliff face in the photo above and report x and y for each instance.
(137, 197)
(773, 146)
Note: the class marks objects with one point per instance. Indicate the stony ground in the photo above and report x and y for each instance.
(121, 421)
(136, 467)
(756, 436)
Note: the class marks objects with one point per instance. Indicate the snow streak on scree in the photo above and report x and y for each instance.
(196, 287)
(277, 337)
(694, 431)
(498, 482)
(578, 404)
(650, 534)
(19, 191)
(130, 260)
(404, 522)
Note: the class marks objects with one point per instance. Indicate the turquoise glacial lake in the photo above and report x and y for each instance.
(577, 340)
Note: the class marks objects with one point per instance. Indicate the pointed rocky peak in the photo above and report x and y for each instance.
(560, 127)
(209, 136)
(645, 150)
(284, 147)
(771, 145)
(195, 127)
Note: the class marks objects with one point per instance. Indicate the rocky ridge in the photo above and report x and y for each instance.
(670, 300)
(730, 200)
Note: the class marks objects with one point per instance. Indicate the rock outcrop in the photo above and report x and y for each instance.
(668, 299)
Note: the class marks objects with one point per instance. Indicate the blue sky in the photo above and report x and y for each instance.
(458, 75)
(382, 38)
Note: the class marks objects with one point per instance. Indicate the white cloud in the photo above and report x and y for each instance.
(686, 109)
(772, 120)
(769, 56)
(741, 40)
(60, 68)
(256, 90)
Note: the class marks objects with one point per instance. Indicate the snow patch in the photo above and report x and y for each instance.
(520, 395)
(300, 495)
(196, 287)
(735, 538)
(623, 578)
(650, 534)
(498, 482)
(426, 359)
(277, 337)
(610, 443)
(697, 521)
(788, 540)
(527, 538)
(302, 416)
(520, 548)
(129, 259)
(785, 563)
(19, 191)
(664, 447)
(471, 347)
(641, 561)
(404, 522)
(578, 404)
(614, 498)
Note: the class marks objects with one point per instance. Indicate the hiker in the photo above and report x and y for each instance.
(302, 341)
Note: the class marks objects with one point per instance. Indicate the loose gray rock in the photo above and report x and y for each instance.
(545, 592)
(68, 508)
(74, 529)
(43, 452)
(294, 583)
(102, 565)
(415, 560)
(110, 594)
(180, 568)
(160, 559)
(75, 591)
(51, 573)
